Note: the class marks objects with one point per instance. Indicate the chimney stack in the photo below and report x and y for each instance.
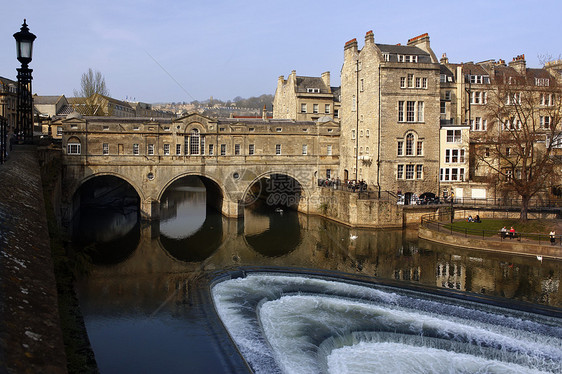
(326, 79)
(519, 64)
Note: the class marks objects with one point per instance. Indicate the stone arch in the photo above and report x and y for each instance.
(248, 197)
(77, 186)
(213, 187)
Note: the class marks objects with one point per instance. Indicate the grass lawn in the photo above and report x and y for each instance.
(491, 227)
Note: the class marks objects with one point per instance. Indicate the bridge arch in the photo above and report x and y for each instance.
(292, 192)
(214, 189)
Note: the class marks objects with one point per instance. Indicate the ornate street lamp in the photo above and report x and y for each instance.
(24, 120)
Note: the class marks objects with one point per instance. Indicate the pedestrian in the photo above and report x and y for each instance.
(552, 237)
(503, 232)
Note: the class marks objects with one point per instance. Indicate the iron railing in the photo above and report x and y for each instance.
(438, 222)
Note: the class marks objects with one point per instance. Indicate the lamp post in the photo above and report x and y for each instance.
(24, 113)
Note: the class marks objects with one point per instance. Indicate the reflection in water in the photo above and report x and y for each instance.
(188, 232)
(108, 234)
(156, 299)
(272, 235)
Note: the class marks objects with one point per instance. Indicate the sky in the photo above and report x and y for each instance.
(174, 51)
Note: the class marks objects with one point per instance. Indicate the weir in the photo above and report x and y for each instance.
(303, 324)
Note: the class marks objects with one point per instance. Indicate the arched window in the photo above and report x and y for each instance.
(73, 147)
(409, 144)
(194, 142)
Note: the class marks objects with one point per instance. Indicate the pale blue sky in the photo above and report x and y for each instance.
(239, 48)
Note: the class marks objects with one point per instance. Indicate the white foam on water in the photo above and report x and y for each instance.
(383, 358)
(295, 324)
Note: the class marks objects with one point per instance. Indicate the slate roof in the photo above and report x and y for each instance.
(46, 100)
(396, 49)
(303, 83)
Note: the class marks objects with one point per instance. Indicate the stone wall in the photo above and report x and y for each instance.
(30, 335)
(347, 208)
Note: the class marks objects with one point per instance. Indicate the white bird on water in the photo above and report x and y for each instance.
(353, 237)
(539, 258)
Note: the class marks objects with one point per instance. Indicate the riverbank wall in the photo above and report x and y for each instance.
(31, 340)
(513, 247)
(347, 208)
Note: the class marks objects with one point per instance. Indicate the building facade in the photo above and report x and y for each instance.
(302, 98)
(390, 116)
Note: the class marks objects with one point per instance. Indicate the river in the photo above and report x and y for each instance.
(301, 294)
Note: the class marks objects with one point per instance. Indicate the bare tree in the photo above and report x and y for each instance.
(92, 85)
(518, 150)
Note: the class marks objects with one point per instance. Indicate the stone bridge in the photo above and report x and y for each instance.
(231, 156)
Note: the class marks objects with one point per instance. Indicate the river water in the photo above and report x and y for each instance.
(301, 294)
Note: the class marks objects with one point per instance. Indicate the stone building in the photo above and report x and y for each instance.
(306, 98)
(390, 116)
(8, 100)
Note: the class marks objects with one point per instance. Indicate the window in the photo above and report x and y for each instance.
(400, 111)
(546, 99)
(166, 149)
(454, 174)
(336, 113)
(361, 86)
(443, 78)
(73, 148)
(419, 171)
(251, 149)
(352, 134)
(278, 129)
(447, 156)
(211, 149)
(400, 148)
(366, 150)
(420, 148)
(105, 148)
(400, 172)
(367, 133)
(409, 171)
(386, 56)
(545, 122)
(223, 149)
(304, 149)
(420, 111)
(447, 95)
(150, 149)
(410, 108)
(135, 149)
(443, 108)
(507, 151)
(418, 82)
(544, 82)
(327, 108)
(194, 142)
(59, 130)
(277, 149)
(354, 104)
(303, 108)
(461, 174)
(329, 150)
(461, 155)
(476, 97)
(487, 152)
(360, 133)
(314, 108)
(178, 149)
(237, 149)
(409, 144)
(410, 80)
(424, 83)
(313, 90)
(453, 136)
(455, 156)
(402, 82)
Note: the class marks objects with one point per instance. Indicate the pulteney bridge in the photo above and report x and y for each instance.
(235, 158)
